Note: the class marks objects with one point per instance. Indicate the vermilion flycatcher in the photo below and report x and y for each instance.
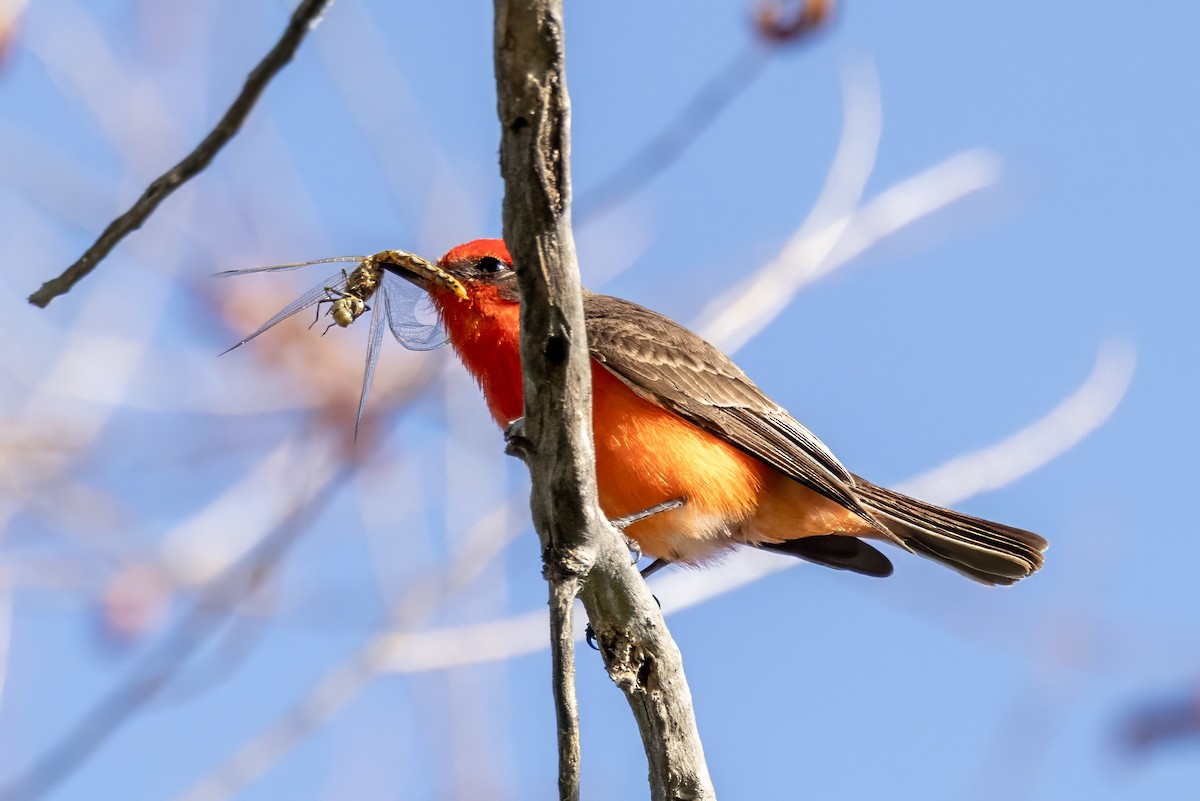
(674, 418)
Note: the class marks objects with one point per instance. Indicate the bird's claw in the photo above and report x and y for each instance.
(515, 442)
(622, 523)
(635, 550)
(589, 633)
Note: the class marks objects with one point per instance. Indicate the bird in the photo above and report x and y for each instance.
(675, 420)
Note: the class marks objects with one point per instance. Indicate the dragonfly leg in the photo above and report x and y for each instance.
(318, 307)
(331, 294)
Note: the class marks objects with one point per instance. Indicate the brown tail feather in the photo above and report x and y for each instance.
(987, 552)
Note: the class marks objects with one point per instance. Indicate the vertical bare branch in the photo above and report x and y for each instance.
(580, 549)
(566, 707)
(303, 19)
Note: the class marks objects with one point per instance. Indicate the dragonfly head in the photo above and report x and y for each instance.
(346, 310)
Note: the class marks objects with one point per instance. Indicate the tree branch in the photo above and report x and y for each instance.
(582, 552)
(304, 18)
(566, 707)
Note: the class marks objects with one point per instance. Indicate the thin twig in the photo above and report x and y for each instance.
(566, 705)
(303, 19)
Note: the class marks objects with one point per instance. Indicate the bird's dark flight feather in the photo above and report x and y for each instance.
(670, 366)
(992, 553)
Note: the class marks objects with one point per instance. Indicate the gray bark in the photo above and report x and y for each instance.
(582, 552)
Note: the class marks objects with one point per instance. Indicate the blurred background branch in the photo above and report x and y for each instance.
(306, 16)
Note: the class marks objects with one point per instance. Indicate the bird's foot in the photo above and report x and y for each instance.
(622, 523)
(515, 442)
(589, 633)
(635, 548)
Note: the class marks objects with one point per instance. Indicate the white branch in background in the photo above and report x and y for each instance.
(110, 362)
(840, 227)
(331, 693)
(490, 535)
(232, 524)
(737, 316)
(1030, 448)
(478, 643)
(125, 108)
(1001, 464)
(858, 147)
(818, 234)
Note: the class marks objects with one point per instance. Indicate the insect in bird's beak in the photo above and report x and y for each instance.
(374, 280)
(423, 273)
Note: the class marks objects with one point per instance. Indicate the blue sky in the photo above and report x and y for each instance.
(939, 341)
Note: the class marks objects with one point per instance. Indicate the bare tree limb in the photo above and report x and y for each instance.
(304, 18)
(566, 707)
(581, 550)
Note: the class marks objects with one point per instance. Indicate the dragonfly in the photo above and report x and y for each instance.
(403, 305)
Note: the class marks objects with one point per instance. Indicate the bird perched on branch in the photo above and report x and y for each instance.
(675, 418)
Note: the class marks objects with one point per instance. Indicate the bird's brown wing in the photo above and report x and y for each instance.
(670, 366)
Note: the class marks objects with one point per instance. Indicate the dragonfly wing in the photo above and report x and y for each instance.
(378, 313)
(409, 329)
(309, 298)
(281, 267)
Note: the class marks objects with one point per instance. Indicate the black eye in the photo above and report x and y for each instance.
(490, 264)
